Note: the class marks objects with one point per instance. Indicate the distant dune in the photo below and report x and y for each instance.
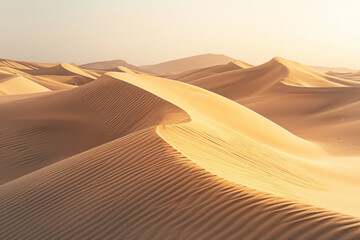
(347, 75)
(110, 65)
(19, 85)
(189, 63)
(333, 69)
(205, 147)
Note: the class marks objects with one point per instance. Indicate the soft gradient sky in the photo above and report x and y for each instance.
(316, 32)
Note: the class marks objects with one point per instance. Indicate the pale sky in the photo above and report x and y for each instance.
(314, 32)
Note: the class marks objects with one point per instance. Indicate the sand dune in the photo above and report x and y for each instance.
(347, 75)
(192, 75)
(21, 65)
(226, 128)
(333, 69)
(187, 64)
(127, 155)
(19, 85)
(312, 105)
(110, 65)
(152, 192)
(63, 69)
(50, 127)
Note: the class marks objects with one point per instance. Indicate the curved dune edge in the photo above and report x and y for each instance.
(139, 187)
(210, 108)
(49, 127)
(312, 105)
(227, 140)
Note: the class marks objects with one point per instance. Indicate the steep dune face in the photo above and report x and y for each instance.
(193, 100)
(49, 127)
(274, 160)
(187, 64)
(139, 187)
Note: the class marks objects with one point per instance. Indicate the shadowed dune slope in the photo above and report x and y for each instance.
(49, 127)
(239, 145)
(275, 73)
(139, 187)
(312, 105)
(187, 64)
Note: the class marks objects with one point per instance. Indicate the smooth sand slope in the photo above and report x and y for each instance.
(21, 65)
(192, 75)
(126, 155)
(274, 160)
(187, 64)
(49, 127)
(51, 76)
(110, 65)
(19, 85)
(333, 69)
(312, 105)
(63, 69)
(139, 187)
(348, 75)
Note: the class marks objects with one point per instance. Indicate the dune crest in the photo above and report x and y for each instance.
(224, 151)
(233, 127)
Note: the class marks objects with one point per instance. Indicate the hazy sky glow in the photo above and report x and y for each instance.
(316, 32)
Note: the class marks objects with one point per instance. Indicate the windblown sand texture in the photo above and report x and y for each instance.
(205, 147)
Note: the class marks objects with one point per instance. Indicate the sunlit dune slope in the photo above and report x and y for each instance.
(139, 187)
(237, 144)
(19, 85)
(249, 152)
(49, 127)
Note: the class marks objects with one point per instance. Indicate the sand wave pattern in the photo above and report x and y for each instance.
(139, 187)
(225, 150)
